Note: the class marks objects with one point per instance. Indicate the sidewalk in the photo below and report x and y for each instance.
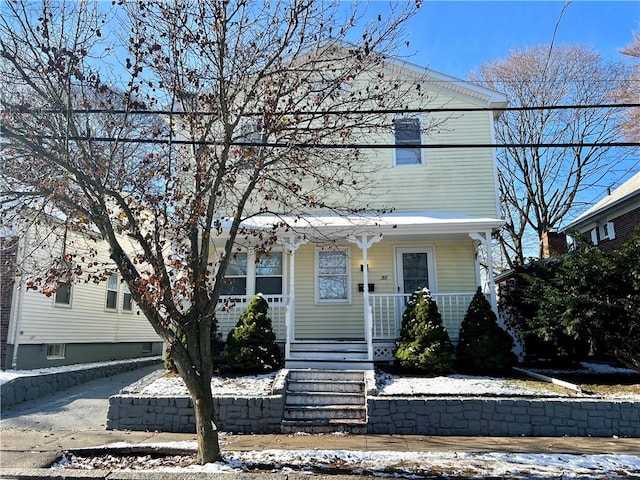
(23, 450)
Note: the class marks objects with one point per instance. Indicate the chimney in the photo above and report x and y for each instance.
(554, 244)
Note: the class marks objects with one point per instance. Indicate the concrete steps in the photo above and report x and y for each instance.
(325, 401)
(330, 355)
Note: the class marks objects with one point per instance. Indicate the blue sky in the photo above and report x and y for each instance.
(455, 37)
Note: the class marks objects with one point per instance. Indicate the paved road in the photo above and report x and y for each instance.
(82, 407)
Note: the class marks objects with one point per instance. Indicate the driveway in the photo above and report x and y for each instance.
(82, 407)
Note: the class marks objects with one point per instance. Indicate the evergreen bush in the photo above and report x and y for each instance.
(424, 345)
(484, 348)
(251, 344)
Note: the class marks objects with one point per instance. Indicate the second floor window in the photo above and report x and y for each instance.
(407, 136)
(112, 292)
(63, 293)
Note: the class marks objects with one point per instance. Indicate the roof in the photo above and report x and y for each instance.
(625, 192)
(387, 224)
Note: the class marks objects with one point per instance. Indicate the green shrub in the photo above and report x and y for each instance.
(484, 348)
(424, 345)
(251, 345)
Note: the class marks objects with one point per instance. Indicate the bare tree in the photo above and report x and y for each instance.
(539, 182)
(629, 92)
(247, 93)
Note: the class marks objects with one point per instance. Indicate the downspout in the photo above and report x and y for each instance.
(17, 313)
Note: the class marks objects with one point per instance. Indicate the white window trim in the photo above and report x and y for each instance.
(65, 305)
(607, 231)
(251, 275)
(430, 250)
(117, 290)
(319, 301)
(402, 165)
(58, 356)
(126, 291)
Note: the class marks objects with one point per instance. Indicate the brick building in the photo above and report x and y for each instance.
(611, 221)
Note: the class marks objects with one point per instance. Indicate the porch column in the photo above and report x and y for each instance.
(291, 244)
(365, 243)
(485, 239)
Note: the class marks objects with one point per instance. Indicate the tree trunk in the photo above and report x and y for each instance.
(207, 430)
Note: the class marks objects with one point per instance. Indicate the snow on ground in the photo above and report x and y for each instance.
(249, 386)
(451, 385)
(7, 375)
(382, 463)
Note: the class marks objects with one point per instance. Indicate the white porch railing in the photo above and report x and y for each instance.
(230, 308)
(388, 308)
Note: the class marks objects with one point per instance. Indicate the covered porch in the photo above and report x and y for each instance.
(346, 281)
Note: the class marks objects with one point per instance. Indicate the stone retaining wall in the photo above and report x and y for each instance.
(388, 415)
(25, 388)
(175, 414)
(553, 417)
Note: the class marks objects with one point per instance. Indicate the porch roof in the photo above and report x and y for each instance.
(397, 223)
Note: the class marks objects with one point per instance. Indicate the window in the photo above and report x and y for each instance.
(147, 347)
(607, 232)
(235, 280)
(55, 350)
(127, 304)
(269, 274)
(112, 292)
(407, 132)
(63, 293)
(333, 276)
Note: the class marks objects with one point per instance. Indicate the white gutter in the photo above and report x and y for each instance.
(17, 311)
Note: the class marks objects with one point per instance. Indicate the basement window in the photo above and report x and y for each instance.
(55, 351)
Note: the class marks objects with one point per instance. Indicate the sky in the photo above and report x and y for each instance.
(456, 37)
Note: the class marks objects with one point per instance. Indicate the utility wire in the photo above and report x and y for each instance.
(35, 111)
(162, 141)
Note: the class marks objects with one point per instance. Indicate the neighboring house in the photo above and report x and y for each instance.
(80, 322)
(611, 221)
(338, 287)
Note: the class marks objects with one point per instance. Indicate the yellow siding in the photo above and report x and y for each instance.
(455, 267)
(455, 273)
(453, 180)
(318, 321)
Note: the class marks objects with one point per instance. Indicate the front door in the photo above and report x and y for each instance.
(414, 271)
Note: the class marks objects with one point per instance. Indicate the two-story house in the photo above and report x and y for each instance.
(338, 301)
(77, 320)
(336, 295)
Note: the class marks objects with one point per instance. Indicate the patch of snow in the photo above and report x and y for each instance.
(244, 386)
(380, 463)
(7, 375)
(588, 368)
(451, 385)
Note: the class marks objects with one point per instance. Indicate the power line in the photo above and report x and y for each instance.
(326, 146)
(29, 110)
